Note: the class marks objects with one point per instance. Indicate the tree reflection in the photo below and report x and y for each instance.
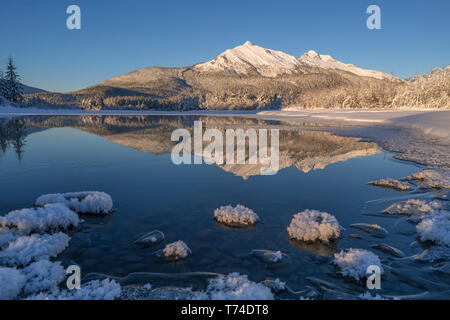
(13, 133)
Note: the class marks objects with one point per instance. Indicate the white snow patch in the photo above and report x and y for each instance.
(436, 228)
(234, 287)
(33, 248)
(391, 183)
(51, 217)
(238, 215)
(90, 202)
(354, 262)
(177, 249)
(313, 225)
(43, 275)
(94, 290)
(11, 283)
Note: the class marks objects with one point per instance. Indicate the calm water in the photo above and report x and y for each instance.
(129, 158)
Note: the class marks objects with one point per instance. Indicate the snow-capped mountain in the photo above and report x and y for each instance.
(249, 57)
(252, 77)
(312, 58)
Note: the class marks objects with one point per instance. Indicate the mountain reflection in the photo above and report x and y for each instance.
(300, 147)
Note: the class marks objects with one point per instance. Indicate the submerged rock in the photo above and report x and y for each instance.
(389, 250)
(372, 229)
(392, 184)
(150, 239)
(272, 259)
(238, 216)
(405, 227)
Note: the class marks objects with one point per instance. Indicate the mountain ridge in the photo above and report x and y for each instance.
(252, 77)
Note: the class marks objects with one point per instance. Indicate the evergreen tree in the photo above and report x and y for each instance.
(13, 88)
(2, 85)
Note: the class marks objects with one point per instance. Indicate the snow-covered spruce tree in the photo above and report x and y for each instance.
(2, 85)
(12, 86)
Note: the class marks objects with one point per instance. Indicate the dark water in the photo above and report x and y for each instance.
(62, 154)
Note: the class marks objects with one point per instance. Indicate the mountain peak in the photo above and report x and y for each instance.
(248, 58)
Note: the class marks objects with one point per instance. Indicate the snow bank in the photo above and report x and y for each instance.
(391, 183)
(430, 179)
(94, 290)
(7, 235)
(33, 248)
(51, 217)
(43, 275)
(236, 216)
(11, 283)
(436, 228)
(312, 225)
(234, 287)
(89, 202)
(177, 250)
(354, 262)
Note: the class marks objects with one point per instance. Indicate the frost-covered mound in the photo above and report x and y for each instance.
(51, 217)
(236, 216)
(430, 179)
(313, 225)
(43, 275)
(436, 228)
(94, 290)
(177, 250)
(36, 247)
(391, 183)
(89, 202)
(414, 207)
(11, 283)
(354, 262)
(234, 287)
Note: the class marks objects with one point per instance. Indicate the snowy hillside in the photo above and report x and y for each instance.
(314, 59)
(248, 57)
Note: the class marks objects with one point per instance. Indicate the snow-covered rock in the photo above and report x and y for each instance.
(415, 207)
(436, 228)
(234, 287)
(249, 57)
(51, 217)
(177, 250)
(11, 283)
(391, 183)
(312, 58)
(89, 202)
(42, 275)
(236, 216)
(94, 290)
(313, 225)
(8, 235)
(354, 262)
(430, 179)
(36, 247)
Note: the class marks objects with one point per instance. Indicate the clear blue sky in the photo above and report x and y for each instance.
(120, 36)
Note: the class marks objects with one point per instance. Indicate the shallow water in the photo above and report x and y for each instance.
(129, 158)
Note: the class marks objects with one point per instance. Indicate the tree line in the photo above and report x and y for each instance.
(10, 87)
